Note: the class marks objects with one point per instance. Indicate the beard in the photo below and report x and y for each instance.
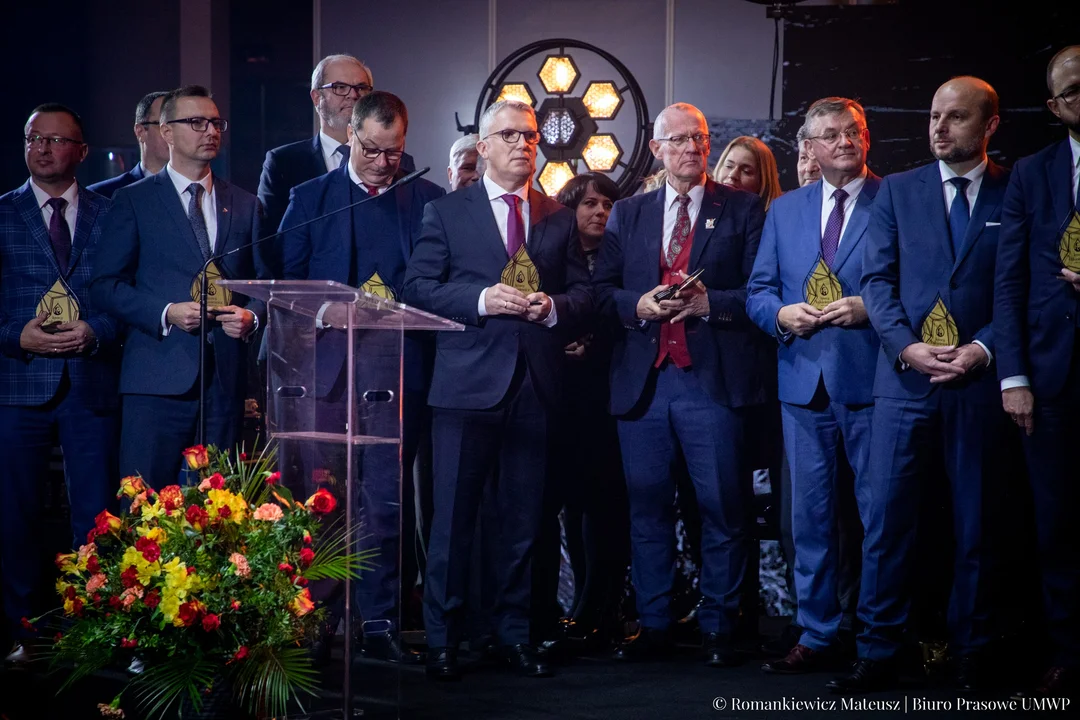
(335, 119)
(959, 152)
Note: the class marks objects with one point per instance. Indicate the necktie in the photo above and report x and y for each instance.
(959, 214)
(830, 239)
(343, 151)
(1076, 197)
(195, 217)
(680, 232)
(59, 233)
(372, 191)
(515, 228)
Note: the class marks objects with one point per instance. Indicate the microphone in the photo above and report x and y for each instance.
(404, 180)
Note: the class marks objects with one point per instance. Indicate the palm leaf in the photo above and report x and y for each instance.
(336, 556)
(163, 684)
(267, 680)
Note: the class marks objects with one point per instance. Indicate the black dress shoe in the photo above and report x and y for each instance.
(648, 644)
(969, 675)
(389, 647)
(527, 661)
(442, 664)
(866, 676)
(801, 660)
(719, 651)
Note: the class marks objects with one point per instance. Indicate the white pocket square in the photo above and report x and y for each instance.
(992, 224)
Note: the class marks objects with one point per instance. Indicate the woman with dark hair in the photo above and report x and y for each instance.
(591, 197)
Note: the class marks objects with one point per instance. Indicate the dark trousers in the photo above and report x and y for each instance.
(677, 412)
(88, 439)
(469, 445)
(903, 439)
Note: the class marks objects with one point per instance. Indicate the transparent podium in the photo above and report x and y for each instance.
(338, 365)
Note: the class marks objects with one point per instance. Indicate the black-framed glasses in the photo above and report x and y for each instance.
(343, 89)
(679, 141)
(1070, 96)
(510, 137)
(372, 153)
(832, 137)
(56, 141)
(200, 124)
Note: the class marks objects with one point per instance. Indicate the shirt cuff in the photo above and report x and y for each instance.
(318, 317)
(989, 355)
(1014, 382)
(481, 305)
(551, 319)
(165, 326)
(781, 334)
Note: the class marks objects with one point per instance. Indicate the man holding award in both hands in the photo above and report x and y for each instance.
(160, 232)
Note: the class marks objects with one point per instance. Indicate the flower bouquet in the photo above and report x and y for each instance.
(204, 583)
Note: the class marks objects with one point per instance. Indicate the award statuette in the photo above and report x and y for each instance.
(1069, 250)
(939, 328)
(520, 273)
(216, 296)
(822, 286)
(374, 285)
(62, 306)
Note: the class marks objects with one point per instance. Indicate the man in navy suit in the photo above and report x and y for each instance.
(804, 292)
(58, 375)
(1037, 321)
(927, 283)
(684, 371)
(369, 248)
(495, 385)
(337, 82)
(153, 151)
(156, 238)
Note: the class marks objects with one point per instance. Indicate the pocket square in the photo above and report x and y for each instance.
(992, 224)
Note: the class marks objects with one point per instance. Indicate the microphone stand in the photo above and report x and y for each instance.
(203, 285)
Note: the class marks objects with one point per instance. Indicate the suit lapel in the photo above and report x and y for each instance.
(318, 163)
(1059, 177)
(223, 194)
(652, 223)
(712, 205)
(174, 208)
(538, 212)
(856, 228)
(933, 202)
(991, 194)
(484, 220)
(84, 225)
(26, 202)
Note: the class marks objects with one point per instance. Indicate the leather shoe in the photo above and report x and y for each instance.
(969, 673)
(1055, 682)
(20, 655)
(527, 661)
(389, 647)
(799, 661)
(442, 665)
(866, 676)
(719, 651)
(647, 644)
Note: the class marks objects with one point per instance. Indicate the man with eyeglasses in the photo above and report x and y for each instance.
(503, 259)
(153, 150)
(337, 82)
(685, 370)
(927, 284)
(157, 237)
(368, 247)
(1037, 324)
(58, 367)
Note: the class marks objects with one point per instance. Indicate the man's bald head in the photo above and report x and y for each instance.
(973, 90)
(963, 116)
(1065, 56)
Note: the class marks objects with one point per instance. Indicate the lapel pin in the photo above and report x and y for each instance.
(224, 209)
(710, 223)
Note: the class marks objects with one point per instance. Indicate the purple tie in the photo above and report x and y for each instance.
(515, 229)
(59, 233)
(830, 240)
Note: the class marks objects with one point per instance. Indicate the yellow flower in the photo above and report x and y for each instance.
(152, 511)
(170, 606)
(67, 563)
(156, 534)
(221, 499)
(146, 570)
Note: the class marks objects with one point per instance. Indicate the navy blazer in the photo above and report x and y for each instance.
(909, 262)
(28, 270)
(845, 358)
(150, 258)
(459, 253)
(107, 188)
(730, 357)
(1035, 312)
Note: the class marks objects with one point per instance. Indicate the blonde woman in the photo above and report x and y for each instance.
(748, 164)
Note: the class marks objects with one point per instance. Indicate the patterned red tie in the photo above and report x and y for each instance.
(680, 232)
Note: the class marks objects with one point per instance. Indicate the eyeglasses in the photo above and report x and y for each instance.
(832, 137)
(200, 124)
(1069, 96)
(679, 141)
(343, 89)
(372, 153)
(56, 142)
(510, 137)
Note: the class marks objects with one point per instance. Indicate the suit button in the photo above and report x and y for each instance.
(653, 341)
(953, 285)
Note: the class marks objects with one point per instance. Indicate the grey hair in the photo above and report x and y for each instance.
(461, 146)
(658, 125)
(488, 116)
(830, 106)
(319, 73)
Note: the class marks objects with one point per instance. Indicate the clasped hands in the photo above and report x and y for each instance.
(803, 319)
(70, 338)
(502, 299)
(944, 364)
(692, 301)
(237, 322)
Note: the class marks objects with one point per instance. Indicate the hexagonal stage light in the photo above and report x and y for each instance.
(554, 176)
(601, 153)
(558, 128)
(602, 100)
(558, 74)
(517, 91)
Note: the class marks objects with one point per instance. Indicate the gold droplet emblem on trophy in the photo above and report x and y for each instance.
(375, 285)
(822, 285)
(1069, 249)
(939, 327)
(216, 295)
(521, 273)
(60, 304)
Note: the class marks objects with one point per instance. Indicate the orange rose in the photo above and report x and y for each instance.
(106, 523)
(131, 486)
(321, 503)
(302, 604)
(196, 457)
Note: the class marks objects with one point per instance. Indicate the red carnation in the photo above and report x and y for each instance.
(27, 625)
(69, 592)
(153, 599)
(243, 456)
(188, 613)
(307, 538)
(274, 478)
(191, 571)
(92, 564)
(128, 644)
(197, 517)
(241, 653)
(235, 604)
(77, 606)
(210, 622)
(217, 481)
(285, 567)
(114, 602)
(307, 556)
(96, 599)
(171, 497)
(322, 502)
(301, 581)
(130, 577)
(149, 549)
(224, 512)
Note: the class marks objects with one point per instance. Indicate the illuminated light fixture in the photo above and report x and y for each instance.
(554, 176)
(602, 100)
(516, 91)
(558, 127)
(601, 153)
(558, 74)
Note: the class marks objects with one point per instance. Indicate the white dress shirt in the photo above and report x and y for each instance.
(828, 202)
(356, 179)
(70, 210)
(209, 212)
(330, 155)
(671, 209)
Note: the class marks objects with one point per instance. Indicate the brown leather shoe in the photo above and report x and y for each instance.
(799, 661)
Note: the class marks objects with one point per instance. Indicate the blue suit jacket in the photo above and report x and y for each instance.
(459, 253)
(845, 358)
(909, 262)
(108, 188)
(1035, 312)
(733, 361)
(150, 258)
(28, 270)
